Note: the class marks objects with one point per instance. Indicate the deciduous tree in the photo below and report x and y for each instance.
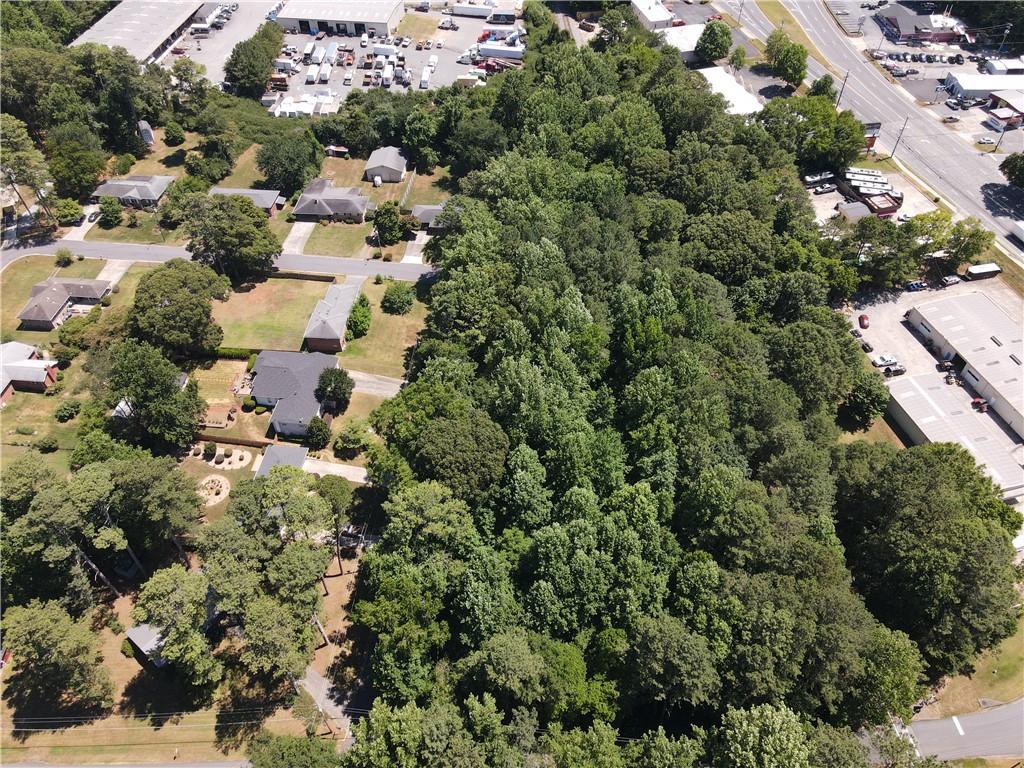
(231, 235)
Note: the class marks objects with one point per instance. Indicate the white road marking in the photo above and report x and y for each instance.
(959, 728)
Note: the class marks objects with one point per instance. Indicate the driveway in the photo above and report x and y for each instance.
(77, 234)
(995, 732)
(414, 250)
(348, 471)
(297, 237)
(372, 384)
(113, 271)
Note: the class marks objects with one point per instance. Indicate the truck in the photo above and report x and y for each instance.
(425, 78)
(432, 63)
(319, 54)
(983, 271)
(387, 77)
(332, 53)
(311, 73)
(380, 49)
(324, 73)
(501, 50)
(470, 9)
(284, 65)
(502, 17)
(307, 52)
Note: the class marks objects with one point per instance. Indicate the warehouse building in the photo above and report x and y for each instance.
(144, 28)
(984, 344)
(738, 100)
(378, 17)
(971, 86)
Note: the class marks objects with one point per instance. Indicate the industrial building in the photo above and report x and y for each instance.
(144, 28)
(738, 100)
(652, 14)
(685, 39)
(984, 344)
(973, 86)
(379, 17)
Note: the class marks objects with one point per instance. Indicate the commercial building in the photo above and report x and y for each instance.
(379, 17)
(144, 28)
(652, 14)
(902, 24)
(684, 39)
(972, 86)
(985, 345)
(1005, 66)
(738, 100)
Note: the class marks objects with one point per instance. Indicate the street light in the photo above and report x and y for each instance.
(1006, 31)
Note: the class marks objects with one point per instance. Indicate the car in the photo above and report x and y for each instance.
(904, 217)
(677, 22)
(906, 57)
(884, 361)
(842, 12)
(986, 140)
(824, 189)
(894, 56)
(949, 280)
(951, 119)
(894, 370)
(178, 50)
(855, 333)
(419, 45)
(952, 103)
(915, 285)
(348, 79)
(959, 58)
(866, 346)
(79, 221)
(915, 57)
(863, 321)
(439, 44)
(94, 215)
(878, 55)
(913, 71)
(428, 45)
(406, 42)
(899, 73)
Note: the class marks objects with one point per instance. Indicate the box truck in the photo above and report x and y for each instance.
(307, 52)
(983, 271)
(468, 9)
(425, 78)
(324, 73)
(432, 63)
(311, 73)
(380, 49)
(387, 77)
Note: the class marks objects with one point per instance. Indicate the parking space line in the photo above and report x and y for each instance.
(959, 728)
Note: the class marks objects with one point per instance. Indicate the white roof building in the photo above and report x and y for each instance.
(144, 28)
(354, 17)
(652, 14)
(979, 86)
(685, 39)
(739, 101)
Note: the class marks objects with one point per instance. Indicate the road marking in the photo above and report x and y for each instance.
(959, 728)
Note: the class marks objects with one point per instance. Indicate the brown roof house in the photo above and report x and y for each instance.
(325, 331)
(22, 368)
(322, 200)
(267, 200)
(55, 300)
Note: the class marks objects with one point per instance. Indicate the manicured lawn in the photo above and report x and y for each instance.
(280, 225)
(16, 284)
(349, 173)
(245, 174)
(272, 315)
(339, 239)
(215, 381)
(164, 160)
(360, 406)
(146, 233)
(129, 283)
(427, 189)
(382, 350)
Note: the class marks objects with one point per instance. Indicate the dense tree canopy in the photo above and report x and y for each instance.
(230, 235)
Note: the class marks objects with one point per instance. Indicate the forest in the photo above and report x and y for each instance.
(617, 524)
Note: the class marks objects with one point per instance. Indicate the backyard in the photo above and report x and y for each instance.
(382, 350)
(245, 174)
(162, 159)
(428, 189)
(270, 315)
(16, 286)
(349, 173)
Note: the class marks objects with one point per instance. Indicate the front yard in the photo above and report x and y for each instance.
(382, 350)
(245, 174)
(339, 239)
(272, 315)
(16, 286)
(146, 232)
(164, 160)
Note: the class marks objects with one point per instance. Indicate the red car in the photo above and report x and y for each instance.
(863, 321)
(678, 23)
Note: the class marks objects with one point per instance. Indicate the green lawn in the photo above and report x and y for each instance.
(148, 231)
(338, 239)
(427, 189)
(245, 174)
(279, 224)
(382, 350)
(164, 160)
(16, 284)
(349, 173)
(272, 315)
(129, 283)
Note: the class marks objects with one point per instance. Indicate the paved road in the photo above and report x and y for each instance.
(372, 384)
(947, 162)
(330, 265)
(996, 732)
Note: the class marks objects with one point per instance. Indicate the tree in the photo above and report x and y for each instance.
(66, 210)
(777, 42)
(111, 212)
(791, 64)
(172, 308)
(833, 747)
(714, 42)
(738, 58)
(20, 162)
(232, 236)
(48, 645)
(359, 317)
(764, 736)
(968, 239)
(174, 134)
(75, 158)
(289, 161)
(179, 199)
(467, 453)
(824, 86)
(387, 220)
(813, 360)
(251, 61)
(269, 750)
(318, 434)
(398, 298)
(1013, 168)
(867, 400)
(275, 643)
(335, 386)
(671, 664)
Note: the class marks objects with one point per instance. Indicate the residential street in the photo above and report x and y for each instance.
(993, 732)
(330, 265)
(966, 177)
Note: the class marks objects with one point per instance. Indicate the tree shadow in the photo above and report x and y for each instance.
(246, 705)
(775, 91)
(35, 703)
(174, 160)
(158, 695)
(1000, 198)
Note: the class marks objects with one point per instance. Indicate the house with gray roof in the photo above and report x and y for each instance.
(386, 162)
(54, 300)
(322, 200)
(287, 382)
(427, 215)
(281, 456)
(22, 368)
(325, 331)
(135, 191)
(267, 200)
(148, 640)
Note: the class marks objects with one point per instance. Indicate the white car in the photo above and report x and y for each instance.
(904, 217)
(986, 140)
(882, 361)
(406, 41)
(439, 44)
(949, 280)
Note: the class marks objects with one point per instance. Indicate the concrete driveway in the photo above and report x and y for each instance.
(297, 236)
(77, 234)
(348, 471)
(372, 384)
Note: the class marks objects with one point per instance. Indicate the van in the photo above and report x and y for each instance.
(196, 29)
(432, 63)
(387, 77)
(425, 78)
(982, 271)
(364, 40)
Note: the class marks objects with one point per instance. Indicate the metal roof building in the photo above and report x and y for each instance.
(353, 18)
(328, 322)
(652, 14)
(685, 39)
(281, 456)
(144, 28)
(739, 101)
(980, 86)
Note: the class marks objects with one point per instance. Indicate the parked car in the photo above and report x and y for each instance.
(899, 72)
(855, 333)
(951, 119)
(915, 285)
(94, 215)
(952, 103)
(913, 71)
(986, 140)
(884, 361)
(949, 280)
(428, 44)
(866, 346)
(79, 221)
(906, 57)
(863, 321)
(824, 189)
(904, 217)
(915, 57)
(878, 55)
(894, 370)
(959, 58)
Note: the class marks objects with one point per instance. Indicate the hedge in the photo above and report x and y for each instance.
(236, 353)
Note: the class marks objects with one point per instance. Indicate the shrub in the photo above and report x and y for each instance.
(127, 649)
(234, 353)
(209, 450)
(228, 452)
(174, 134)
(378, 279)
(64, 354)
(116, 289)
(55, 389)
(259, 410)
(105, 301)
(79, 257)
(133, 219)
(60, 375)
(123, 164)
(66, 210)
(46, 444)
(67, 410)
(251, 363)
(398, 298)
(351, 441)
(318, 434)
(248, 403)
(359, 317)
(23, 430)
(64, 257)
(218, 459)
(197, 451)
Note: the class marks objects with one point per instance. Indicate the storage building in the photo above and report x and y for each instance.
(144, 28)
(972, 86)
(739, 101)
(652, 14)
(379, 17)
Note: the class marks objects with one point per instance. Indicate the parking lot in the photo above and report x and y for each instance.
(213, 51)
(915, 202)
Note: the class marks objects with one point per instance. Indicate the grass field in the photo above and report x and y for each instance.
(148, 231)
(427, 189)
(16, 284)
(339, 239)
(129, 283)
(163, 160)
(349, 173)
(280, 225)
(382, 350)
(245, 174)
(986, 762)
(881, 431)
(418, 26)
(272, 315)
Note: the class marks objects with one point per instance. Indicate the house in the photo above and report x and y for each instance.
(427, 215)
(148, 640)
(738, 100)
(325, 331)
(22, 368)
(322, 200)
(54, 300)
(652, 14)
(287, 382)
(902, 24)
(135, 191)
(281, 456)
(267, 200)
(387, 163)
(146, 133)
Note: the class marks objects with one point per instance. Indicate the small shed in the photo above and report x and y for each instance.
(386, 162)
(148, 640)
(854, 212)
(281, 456)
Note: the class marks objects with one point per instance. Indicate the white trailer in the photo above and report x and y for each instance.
(501, 51)
(324, 73)
(319, 54)
(1017, 230)
(332, 53)
(467, 9)
(380, 49)
(387, 77)
(982, 271)
(307, 52)
(425, 78)
(311, 72)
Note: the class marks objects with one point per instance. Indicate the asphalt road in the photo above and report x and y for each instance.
(330, 265)
(996, 732)
(969, 179)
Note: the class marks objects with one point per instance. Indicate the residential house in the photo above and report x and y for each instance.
(146, 133)
(135, 191)
(427, 215)
(325, 331)
(281, 456)
(22, 368)
(287, 382)
(386, 163)
(267, 200)
(322, 200)
(54, 300)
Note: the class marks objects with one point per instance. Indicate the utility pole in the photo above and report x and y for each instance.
(893, 153)
(739, 20)
(881, 39)
(1001, 134)
(1006, 32)
(840, 97)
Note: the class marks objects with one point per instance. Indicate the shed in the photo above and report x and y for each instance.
(281, 456)
(148, 640)
(854, 212)
(388, 163)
